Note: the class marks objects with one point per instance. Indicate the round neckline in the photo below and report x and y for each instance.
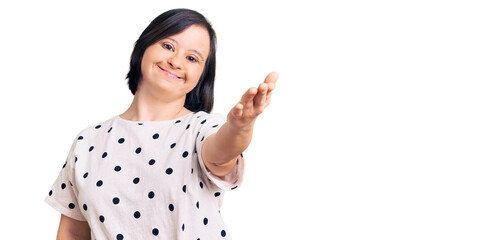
(154, 122)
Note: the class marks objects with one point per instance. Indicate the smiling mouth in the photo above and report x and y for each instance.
(169, 74)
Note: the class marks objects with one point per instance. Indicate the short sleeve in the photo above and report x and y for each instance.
(63, 193)
(210, 124)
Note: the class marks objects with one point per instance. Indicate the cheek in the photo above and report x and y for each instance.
(143, 67)
(150, 56)
(196, 73)
(144, 73)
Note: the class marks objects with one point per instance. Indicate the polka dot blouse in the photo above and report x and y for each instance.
(145, 180)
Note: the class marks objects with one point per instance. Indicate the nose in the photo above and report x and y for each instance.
(174, 62)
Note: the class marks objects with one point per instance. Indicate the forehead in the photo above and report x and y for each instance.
(194, 37)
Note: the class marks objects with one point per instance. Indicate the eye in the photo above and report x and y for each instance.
(192, 59)
(167, 46)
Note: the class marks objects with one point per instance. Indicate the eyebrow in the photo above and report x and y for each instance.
(190, 50)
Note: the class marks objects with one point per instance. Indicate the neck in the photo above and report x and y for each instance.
(146, 107)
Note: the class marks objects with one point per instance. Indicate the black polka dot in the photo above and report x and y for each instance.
(99, 183)
(217, 194)
(76, 159)
(169, 171)
(97, 126)
(201, 185)
(70, 183)
(187, 127)
(151, 195)
(63, 186)
(171, 207)
(214, 126)
(50, 193)
(140, 123)
(104, 155)
(223, 233)
(156, 136)
(172, 145)
(184, 188)
(205, 221)
(116, 200)
(121, 140)
(137, 215)
(183, 227)
(185, 154)
(71, 206)
(203, 121)
(119, 237)
(84, 207)
(151, 162)
(109, 129)
(202, 139)
(85, 175)
(191, 170)
(64, 165)
(234, 187)
(102, 219)
(117, 168)
(80, 138)
(178, 121)
(138, 150)
(197, 204)
(91, 148)
(136, 180)
(155, 231)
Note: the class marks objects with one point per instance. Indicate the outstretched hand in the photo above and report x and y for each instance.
(243, 115)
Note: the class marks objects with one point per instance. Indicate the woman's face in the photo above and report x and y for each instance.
(173, 65)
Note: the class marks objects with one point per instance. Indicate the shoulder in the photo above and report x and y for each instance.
(207, 121)
(203, 123)
(93, 130)
(209, 117)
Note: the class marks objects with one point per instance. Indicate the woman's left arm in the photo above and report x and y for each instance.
(221, 149)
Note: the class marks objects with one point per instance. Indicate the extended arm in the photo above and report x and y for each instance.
(221, 149)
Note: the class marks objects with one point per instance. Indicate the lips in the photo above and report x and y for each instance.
(168, 73)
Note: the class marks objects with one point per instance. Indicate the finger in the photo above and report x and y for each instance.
(247, 98)
(271, 86)
(271, 83)
(271, 78)
(237, 110)
(259, 100)
(268, 98)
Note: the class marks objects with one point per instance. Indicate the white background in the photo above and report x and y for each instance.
(386, 122)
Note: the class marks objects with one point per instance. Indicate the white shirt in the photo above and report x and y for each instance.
(145, 180)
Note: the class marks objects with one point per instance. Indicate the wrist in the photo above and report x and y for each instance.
(239, 128)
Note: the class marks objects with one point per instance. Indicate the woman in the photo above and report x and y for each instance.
(160, 168)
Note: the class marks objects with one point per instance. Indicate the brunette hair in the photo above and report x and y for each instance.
(167, 24)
